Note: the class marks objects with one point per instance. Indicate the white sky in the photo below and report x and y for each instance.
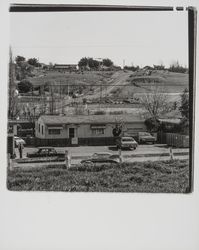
(141, 38)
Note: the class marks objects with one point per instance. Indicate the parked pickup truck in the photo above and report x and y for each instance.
(46, 152)
(145, 137)
(126, 142)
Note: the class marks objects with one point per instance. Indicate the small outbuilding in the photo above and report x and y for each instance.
(65, 67)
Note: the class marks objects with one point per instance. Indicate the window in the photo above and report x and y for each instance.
(54, 131)
(98, 131)
(42, 129)
(39, 128)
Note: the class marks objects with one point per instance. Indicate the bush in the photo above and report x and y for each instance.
(25, 86)
(152, 124)
(119, 112)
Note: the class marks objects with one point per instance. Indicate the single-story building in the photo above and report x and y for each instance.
(65, 67)
(85, 129)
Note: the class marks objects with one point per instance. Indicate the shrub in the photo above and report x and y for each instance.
(152, 124)
(99, 112)
(25, 86)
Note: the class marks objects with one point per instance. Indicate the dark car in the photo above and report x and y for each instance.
(46, 152)
(103, 157)
(145, 137)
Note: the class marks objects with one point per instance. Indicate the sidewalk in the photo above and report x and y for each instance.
(141, 151)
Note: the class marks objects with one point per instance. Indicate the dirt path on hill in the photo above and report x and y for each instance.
(117, 79)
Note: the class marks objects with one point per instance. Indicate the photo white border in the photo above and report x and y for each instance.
(61, 220)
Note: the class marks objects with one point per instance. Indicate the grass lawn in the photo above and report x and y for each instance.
(160, 176)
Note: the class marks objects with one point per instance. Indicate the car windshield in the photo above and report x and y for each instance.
(147, 134)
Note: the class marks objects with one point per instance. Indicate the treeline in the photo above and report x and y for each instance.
(174, 67)
(89, 62)
(24, 68)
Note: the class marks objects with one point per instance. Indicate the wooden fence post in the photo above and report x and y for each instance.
(171, 153)
(120, 155)
(67, 159)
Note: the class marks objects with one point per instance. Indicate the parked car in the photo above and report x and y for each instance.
(126, 142)
(102, 157)
(18, 140)
(46, 152)
(145, 137)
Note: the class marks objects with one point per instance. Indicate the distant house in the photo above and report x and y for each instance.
(65, 67)
(84, 130)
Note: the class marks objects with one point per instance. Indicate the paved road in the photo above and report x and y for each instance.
(89, 150)
(142, 153)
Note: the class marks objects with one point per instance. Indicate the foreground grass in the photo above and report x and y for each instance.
(161, 176)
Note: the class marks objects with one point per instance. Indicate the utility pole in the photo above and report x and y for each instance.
(13, 94)
(68, 90)
(100, 96)
(52, 101)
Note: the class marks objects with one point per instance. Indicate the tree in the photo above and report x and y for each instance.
(159, 67)
(88, 62)
(117, 130)
(19, 59)
(152, 124)
(133, 68)
(25, 86)
(184, 108)
(23, 70)
(83, 62)
(33, 62)
(155, 102)
(107, 62)
(176, 67)
(13, 109)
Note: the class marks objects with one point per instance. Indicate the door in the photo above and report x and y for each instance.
(71, 132)
(73, 136)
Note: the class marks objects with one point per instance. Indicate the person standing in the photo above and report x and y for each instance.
(20, 147)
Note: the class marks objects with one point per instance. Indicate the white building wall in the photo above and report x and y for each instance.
(85, 131)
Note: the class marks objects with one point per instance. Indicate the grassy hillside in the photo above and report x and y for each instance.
(169, 83)
(87, 78)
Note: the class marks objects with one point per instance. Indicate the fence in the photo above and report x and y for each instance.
(174, 139)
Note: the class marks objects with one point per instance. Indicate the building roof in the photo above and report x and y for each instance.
(64, 65)
(90, 119)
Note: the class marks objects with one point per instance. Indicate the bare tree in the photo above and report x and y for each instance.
(155, 102)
